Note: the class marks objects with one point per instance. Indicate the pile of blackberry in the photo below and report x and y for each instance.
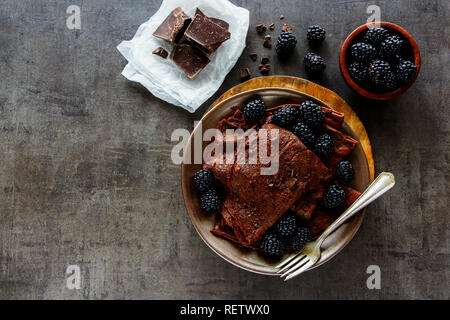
(210, 199)
(288, 234)
(306, 123)
(315, 65)
(380, 61)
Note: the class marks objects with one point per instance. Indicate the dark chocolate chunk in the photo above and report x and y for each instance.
(272, 26)
(245, 74)
(253, 56)
(189, 59)
(207, 35)
(261, 28)
(265, 60)
(281, 17)
(267, 41)
(171, 29)
(217, 21)
(160, 52)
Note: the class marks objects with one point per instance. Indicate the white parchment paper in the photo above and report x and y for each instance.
(161, 77)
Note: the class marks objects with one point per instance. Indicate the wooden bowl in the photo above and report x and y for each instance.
(245, 258)
(415, 54)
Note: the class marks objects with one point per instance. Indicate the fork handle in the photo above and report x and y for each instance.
(384, 182)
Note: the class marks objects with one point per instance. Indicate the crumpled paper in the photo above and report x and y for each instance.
(161, 77)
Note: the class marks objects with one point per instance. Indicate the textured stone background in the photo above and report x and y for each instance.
(86, 176)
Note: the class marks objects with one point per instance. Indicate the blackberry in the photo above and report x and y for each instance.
(285, 116)
(334, 196)
(375, 36)
(286, 225)
(315, 34)
(389, 82)
(272, 245)
(405, 71)
(286, 43)
(344, 171)
(203, 180)
(254, 111)
(377, 71)
(305, 134)
(314, 64)
(301, 237)
(391, 46)
(362, 52)
(358, 71)
(210, 201)
(393, 60)
(311, 114)
(324, 146)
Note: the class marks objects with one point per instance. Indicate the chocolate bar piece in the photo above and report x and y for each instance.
(189, 59)
(205, 34)
(217, 21)
(172, 28)
(160, 52)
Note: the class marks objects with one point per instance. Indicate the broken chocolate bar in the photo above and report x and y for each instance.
(205, 34)
(171, 29)
(189, 59)
(160, 52)
(217, 21)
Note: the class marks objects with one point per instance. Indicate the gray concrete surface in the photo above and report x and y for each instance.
(86, 177)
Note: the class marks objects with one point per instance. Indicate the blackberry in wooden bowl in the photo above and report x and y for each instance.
(380, 62)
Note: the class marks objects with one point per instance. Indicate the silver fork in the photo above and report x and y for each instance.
(301, 261)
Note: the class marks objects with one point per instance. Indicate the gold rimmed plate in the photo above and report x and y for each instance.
(242, 257)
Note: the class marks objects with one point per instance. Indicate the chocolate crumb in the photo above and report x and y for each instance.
(261, 28)
(281, 17)
(160, 52)
(253, 56)
(245, 74)
(286, 28)
(265, 60)
(267, 41)
(264, 68)
(272, 26)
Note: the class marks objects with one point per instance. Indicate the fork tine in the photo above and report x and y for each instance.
(287, 260)
(299, 271)
(292, 262)
(296, 266)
